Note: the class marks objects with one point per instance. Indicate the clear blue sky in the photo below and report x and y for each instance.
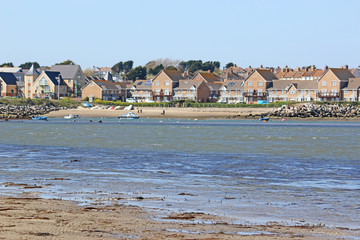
(101, 33)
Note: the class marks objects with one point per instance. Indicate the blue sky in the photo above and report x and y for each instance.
(259, 32)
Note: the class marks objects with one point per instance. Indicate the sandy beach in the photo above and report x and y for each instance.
(29, 217)
(179, 113)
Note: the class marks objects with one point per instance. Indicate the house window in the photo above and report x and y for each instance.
(333, 83)
(166, 91)
(260, 83)
(292, 91)
(167, 83)
(249, 83)
(323, 83)
(345, 91)
(92, 84)
(157, 83)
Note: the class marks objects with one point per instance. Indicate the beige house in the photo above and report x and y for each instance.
(48, 84)
(142, 90)
(8, 85)
(192, 90)
(104, 90)
(29, 79)
(331, 84)
(292, 90)
(351, 92)
(163, 84)
(232, 91)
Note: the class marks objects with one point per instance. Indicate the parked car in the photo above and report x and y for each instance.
(131, 100)
(149, 101)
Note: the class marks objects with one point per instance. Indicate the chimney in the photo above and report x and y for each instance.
(261, 66)
(312, 68)
(346, 67)
(341, 66)
(250, 66)
(297, 69)
(208, 71)
(326, 67)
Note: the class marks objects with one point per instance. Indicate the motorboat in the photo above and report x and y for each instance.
(70, 116)
(264, 119)
(129, 115)
(39, 118)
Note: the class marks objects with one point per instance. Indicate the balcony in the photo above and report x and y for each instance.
(254, 94)
(328, 94)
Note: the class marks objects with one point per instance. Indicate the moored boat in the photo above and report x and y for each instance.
(70, 116)
(39, 118)
(264, 119)
(129, 115)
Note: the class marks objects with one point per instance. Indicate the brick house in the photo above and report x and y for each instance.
(104, 90)
(163, 84)
(208, 77)
(332, 82)
(256, 84)
(29, 79)
(8, 86)
(192, 89)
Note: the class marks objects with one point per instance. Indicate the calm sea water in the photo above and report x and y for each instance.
(252, 171)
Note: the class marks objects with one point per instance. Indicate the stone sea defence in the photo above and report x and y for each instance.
(311, 110)
(24, 112)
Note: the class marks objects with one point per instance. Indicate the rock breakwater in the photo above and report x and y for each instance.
(311, 110)
(24, 112)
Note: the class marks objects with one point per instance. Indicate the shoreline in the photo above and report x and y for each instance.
(188, 113)
(30, 217)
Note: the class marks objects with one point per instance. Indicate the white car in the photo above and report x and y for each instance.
(131, 100)
(149, 101)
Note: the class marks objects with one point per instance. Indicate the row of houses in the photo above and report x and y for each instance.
(330, 84)
(235, 85)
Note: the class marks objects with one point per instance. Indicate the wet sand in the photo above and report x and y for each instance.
(29, 217)
(176, 113)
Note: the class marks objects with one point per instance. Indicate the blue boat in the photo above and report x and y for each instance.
(39, 118)
(129, 115)
(264, 119)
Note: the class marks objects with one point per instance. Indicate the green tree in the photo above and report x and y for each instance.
(128, 66)
(9, 64)
(118, 67)
(136, 73)
(230, 64)
(171, 68)
(156, 70)
(67, 62)
(28, 65)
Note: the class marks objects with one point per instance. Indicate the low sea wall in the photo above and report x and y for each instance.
(311, 110)
(24, 112)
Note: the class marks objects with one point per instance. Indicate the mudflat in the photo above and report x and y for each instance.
(28, 217)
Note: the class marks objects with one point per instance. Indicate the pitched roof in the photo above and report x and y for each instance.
(106, 85)
(266, 74)
(208, 77)
(342, 73)
(10, 69)
(214, 86)
(174, 75)
(230, 75)
(108, 76)
(52, 75)
(188, 83)
(143, 84)
(299, 84)
(67, 71)
(318, 73)
(353, 84)
(234, 84)
(32, 71)
(8, 78)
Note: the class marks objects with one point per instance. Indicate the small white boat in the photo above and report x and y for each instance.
(129, 115)
(70, 116)
(39, 118)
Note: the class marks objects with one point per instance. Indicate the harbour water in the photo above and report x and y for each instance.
(291, 172)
